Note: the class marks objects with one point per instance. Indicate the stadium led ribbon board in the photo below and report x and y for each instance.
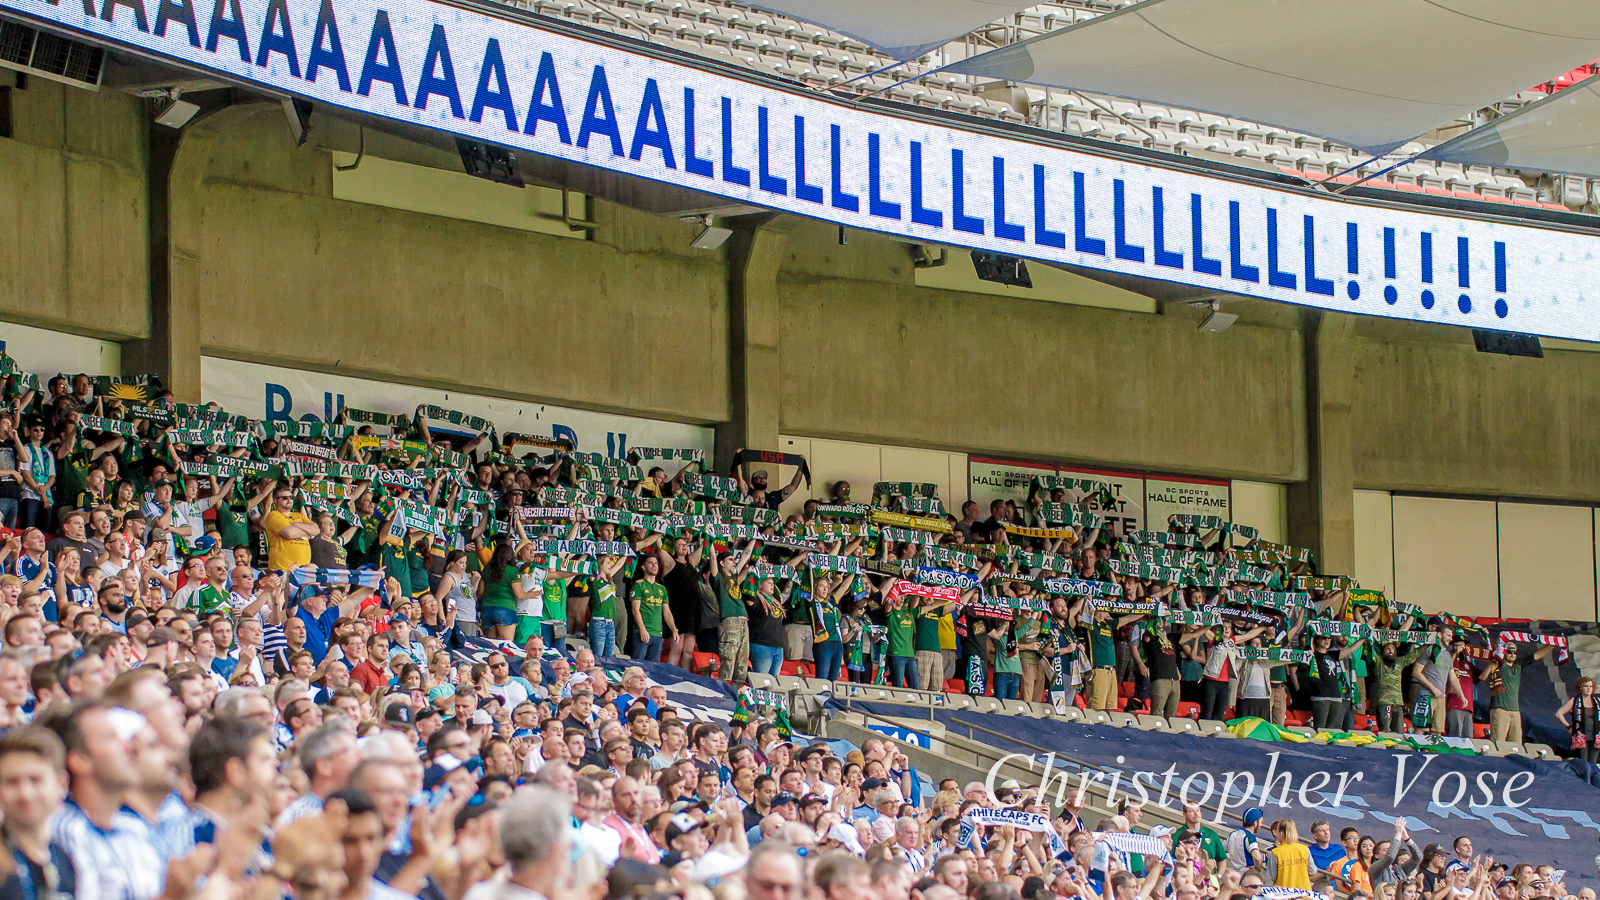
(502, 81)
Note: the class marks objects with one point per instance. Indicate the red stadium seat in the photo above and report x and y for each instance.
(1296, 717)
(955, 686)
(1363, 723)
(707, 664)
(1188, 710)
(1481, 732)
(1125, 689)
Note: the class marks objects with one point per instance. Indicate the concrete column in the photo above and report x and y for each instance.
(173, 349)
(755, 254)
(1322, 508)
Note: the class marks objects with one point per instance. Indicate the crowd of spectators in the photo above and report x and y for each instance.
(310, 659)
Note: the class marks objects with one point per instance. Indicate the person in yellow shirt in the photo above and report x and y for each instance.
(289, 533)
(1293, 860)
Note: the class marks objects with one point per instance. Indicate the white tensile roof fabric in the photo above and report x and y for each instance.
(904, 29)
(1369, 73)
(1560, 133)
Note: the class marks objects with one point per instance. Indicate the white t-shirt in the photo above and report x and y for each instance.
(532, 584)
(511, 694)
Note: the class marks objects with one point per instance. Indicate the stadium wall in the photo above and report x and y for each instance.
(73, 253)
(280, 272)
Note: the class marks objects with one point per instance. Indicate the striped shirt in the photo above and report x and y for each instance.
(306, 805)
(119, 863)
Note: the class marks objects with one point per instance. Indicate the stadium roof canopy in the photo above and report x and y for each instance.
(904, 29)
(1369, 73)
(1560, 133)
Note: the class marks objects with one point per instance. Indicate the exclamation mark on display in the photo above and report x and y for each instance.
(1427, 268)
(1464, 302)
(1500, 308)
(1352, 262)
(1390, 295)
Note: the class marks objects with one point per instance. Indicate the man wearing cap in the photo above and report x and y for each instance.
(1505, 683)
(812, 806)
(686, 839)
(1243, 848)
(784, 806)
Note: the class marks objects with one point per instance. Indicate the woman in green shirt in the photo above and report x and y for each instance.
(497, 609)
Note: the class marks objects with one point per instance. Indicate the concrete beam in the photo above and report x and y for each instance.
(172, 351)
(1322, 507)
(755, 254)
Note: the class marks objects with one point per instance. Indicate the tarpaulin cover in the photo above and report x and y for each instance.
(1549, 818)
(1370, 73)
(904, 29)
(1560, 133)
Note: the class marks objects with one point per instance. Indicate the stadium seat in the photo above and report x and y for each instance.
(987, 704)
(1150, 723)
(1094, 717)
(707, 664)
(1121, 719)
(1211, 726)
(1073, 714)
(762, 681)
(1480, 732)
(1182, 725)
(1016, 707)
(1300, 717)
(1482, 746)
(954, 686)
(791, 682)
(1541, 751)
(1506, 748)
(1188, 710)
(959, 701)
(818, 686)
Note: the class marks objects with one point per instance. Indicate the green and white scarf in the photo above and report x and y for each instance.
(1168, 574)
(624, 519)
(1049, 562)
(211, 437)
(1069, 514)
(1163, 538)
(922, 506)
(905, 489)
(713, 487)
(949, 557)
(1193, 617)
(316, 431)
(395, 421)
(1351, 630)
(895, 535)
(1325, 583)
(96, 423)
(635, 454)
(824, 562)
